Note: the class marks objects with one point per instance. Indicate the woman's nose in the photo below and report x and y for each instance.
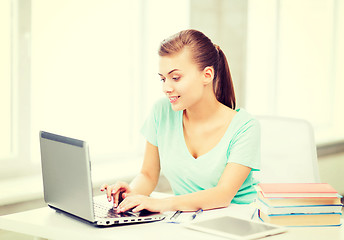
(167, 87)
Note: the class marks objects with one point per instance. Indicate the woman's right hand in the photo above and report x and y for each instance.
(118, 191)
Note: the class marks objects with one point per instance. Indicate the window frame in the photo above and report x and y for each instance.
(264, 47)
(17, 163)
(20, 163)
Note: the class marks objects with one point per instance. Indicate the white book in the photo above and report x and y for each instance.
(267, 209)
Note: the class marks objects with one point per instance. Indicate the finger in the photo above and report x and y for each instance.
(138, 208)
(122, 189)
(115, 199)
(118, 186)
(121, 207)
(115, 192)
(103, 187)
(109, 193)
(108, 190)
(127, 204)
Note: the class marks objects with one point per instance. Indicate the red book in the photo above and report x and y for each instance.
(298, 190)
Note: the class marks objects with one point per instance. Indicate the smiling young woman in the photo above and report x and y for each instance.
(205, 147)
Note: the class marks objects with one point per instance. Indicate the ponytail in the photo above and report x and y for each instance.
(223, 86)
(204, 54)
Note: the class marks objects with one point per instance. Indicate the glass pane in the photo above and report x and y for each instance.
(294, 65)
(261, 57)
(82, 71)
(94, 69)
(5, 81)
(305, 69)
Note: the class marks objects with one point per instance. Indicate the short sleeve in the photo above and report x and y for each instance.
(149, 128)
(244, 148)
(155, 120)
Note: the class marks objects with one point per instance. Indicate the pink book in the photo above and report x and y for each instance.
(297, 190)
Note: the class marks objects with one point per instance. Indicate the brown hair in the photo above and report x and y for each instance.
(205, 54)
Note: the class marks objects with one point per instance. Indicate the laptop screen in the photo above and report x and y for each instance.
(67, 175)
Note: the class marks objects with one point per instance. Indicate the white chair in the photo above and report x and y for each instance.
(288, 151)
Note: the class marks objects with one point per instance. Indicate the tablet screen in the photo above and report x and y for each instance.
(235, 227)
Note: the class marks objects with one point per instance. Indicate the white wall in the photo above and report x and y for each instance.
(225, 22)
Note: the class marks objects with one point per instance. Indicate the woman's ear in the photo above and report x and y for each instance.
(208, 75)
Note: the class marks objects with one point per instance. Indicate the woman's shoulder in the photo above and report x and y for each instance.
(162, 111)
(162, 102)
(245, 116)
(244, 120)
(162, 105)
(245, 133)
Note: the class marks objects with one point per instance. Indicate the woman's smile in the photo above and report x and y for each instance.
(173, 99)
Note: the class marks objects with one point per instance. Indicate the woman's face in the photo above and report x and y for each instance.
(182, 81)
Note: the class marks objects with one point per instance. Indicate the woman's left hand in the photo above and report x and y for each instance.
(140, 202)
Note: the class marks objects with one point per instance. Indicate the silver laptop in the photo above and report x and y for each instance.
(66, 170)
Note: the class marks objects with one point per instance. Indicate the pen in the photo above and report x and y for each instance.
(199, 211)
(254, 213)
(175, 215)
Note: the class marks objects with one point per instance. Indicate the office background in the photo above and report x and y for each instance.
(88, 69)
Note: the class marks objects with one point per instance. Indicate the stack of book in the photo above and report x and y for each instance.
(299, 204)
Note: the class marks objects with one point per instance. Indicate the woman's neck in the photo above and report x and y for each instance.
(204, 111)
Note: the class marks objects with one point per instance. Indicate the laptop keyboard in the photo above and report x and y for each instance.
(104, 211)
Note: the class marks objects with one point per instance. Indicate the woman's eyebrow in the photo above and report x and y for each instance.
(172, 71)
(169, 72)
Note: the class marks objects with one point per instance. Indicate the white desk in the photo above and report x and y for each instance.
(46, 223)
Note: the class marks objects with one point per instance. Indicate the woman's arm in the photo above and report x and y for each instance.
(145, 182)
(230, 182)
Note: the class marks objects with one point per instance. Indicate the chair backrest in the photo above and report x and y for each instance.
(288, 151)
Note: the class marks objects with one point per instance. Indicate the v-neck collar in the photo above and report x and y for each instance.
(224, 137)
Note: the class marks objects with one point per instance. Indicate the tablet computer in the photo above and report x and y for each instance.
(236, 228)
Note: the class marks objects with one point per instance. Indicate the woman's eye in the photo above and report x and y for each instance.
(176, 78)
(162, 79)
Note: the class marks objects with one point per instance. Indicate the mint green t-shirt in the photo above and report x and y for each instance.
(240, 144)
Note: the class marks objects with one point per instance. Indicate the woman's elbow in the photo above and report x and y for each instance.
(226, 203)
(223, 201)
(225, 198)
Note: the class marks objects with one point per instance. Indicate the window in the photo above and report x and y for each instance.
(295, 51)
(83, 62)
(6, 96)
(92, 71)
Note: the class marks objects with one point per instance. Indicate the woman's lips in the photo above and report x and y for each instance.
(173, 99)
